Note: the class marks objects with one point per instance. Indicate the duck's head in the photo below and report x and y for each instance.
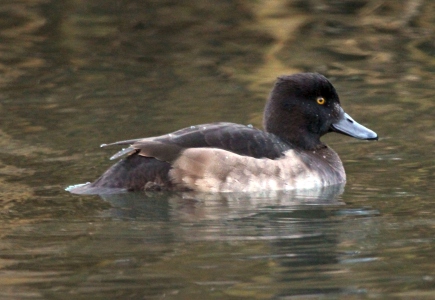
(303, 107)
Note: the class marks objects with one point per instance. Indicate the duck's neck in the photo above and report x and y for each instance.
(298, 137)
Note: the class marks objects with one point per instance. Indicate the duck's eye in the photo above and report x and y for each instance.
(321, 100)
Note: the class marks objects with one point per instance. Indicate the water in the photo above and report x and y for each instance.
(76, 75)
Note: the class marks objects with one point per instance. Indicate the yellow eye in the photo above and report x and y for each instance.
(321, 100)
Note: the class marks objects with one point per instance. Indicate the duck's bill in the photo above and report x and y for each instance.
(348, 126)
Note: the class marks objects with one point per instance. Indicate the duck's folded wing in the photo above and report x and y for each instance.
(236, 138)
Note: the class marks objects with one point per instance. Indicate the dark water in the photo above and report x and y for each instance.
(74, 75)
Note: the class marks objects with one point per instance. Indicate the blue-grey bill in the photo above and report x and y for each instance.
(348, 126)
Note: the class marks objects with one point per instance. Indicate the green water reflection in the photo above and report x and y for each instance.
(76, 74)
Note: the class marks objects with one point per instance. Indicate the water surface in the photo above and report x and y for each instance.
(75, 75)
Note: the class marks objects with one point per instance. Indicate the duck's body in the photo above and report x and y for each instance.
(227, 157)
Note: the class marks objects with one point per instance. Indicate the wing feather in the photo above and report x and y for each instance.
(236, 138)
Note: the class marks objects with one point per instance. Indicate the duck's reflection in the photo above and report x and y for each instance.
(298, 231)
(191, 206)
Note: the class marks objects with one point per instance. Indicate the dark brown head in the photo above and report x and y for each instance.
(303, 107)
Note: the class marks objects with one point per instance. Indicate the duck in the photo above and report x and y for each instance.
(227, 157)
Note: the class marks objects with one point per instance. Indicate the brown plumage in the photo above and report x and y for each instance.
(225, 157)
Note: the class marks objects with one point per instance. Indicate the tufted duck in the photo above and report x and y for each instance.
(228, 157)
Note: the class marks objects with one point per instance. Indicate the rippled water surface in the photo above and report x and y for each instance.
(76, 74)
